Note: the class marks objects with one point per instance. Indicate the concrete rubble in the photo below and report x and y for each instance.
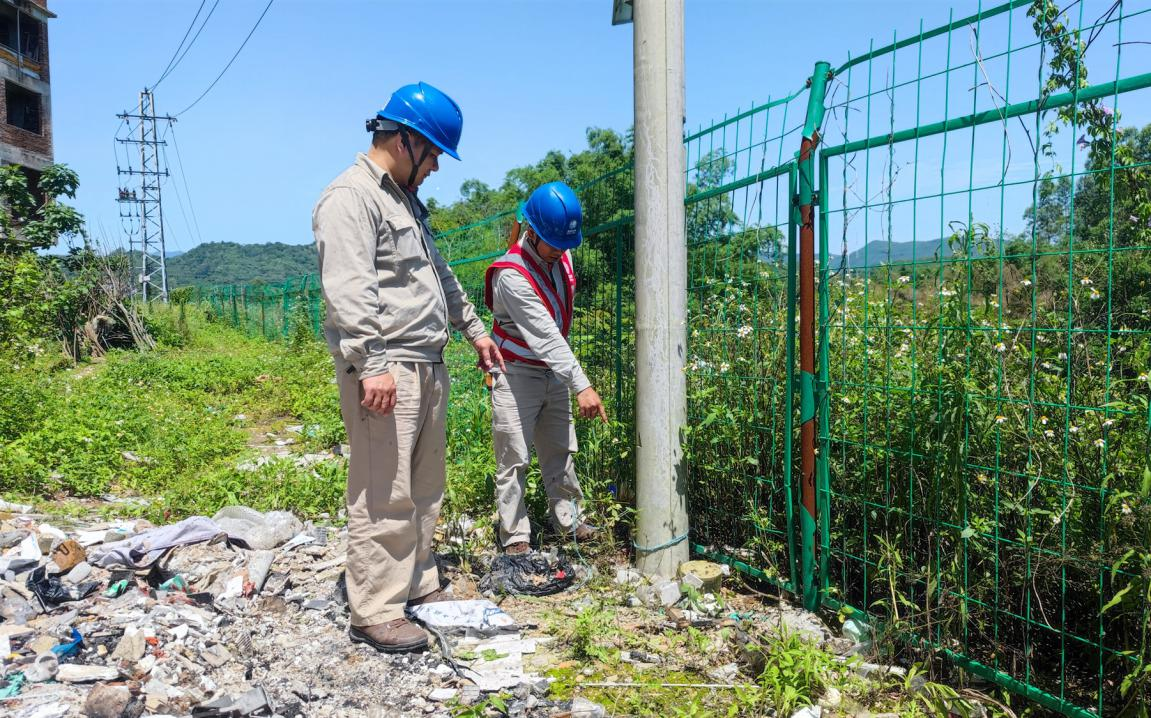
(245, 614)
(235, 615)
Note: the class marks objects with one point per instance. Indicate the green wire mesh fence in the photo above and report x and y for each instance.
(982, 469)
(985, 263)
(741, 338)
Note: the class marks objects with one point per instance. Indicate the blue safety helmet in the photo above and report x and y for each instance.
(554, 212)
(426, 110)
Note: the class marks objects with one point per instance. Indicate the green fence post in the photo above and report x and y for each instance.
(286, 302)
(244, 304)
(822, 398)
(807, 517)
(618, 319)
(263, 312)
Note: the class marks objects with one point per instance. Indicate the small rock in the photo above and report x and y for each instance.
(643, 657)
(115, 535)
(44, 668)
(276, 583)
(79, 573)
(727, 673)
(8, 539)
(106, 701)
(259, 564)
(79, 673)
(216, 655)
(868, 670)
(317, 604)
(839, 646)
(583, 708)
(831, 698)
(470, 695)
(667, 593)
(439, 695)
(628, 577)
(541, 686)
(131, 646)
(808, 712)
(42, 644)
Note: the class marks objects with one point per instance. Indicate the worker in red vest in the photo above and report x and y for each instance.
(531, 293)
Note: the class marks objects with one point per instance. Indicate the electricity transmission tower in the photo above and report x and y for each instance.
(141, 210)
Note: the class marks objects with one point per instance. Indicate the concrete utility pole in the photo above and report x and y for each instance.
(661, 286)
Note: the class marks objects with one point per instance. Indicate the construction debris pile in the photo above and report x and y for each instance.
(240, 614)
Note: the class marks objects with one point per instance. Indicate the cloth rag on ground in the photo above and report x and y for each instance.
(144, 549)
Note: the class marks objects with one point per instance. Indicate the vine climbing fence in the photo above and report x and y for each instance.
(963, 213)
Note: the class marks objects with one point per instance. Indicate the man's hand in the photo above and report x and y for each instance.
(590, 405)
(489, 354)
(379, 394)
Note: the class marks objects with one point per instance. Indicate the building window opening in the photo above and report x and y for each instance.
(23, 107)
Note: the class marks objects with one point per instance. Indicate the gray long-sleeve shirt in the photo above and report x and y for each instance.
(515, 301)
(390, 296)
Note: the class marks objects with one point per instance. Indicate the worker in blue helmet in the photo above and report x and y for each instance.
(392, 302)
(531, 293)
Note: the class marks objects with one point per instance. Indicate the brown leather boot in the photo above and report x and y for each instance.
(518, 548)
(583, 532)
(398, 636)
(434, 597)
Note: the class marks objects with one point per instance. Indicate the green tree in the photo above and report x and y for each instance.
(1048, 219)
(31, 222)
(711, 218)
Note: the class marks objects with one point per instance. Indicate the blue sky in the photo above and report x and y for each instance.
(530, 75)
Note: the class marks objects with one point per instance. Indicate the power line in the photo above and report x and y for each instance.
(242, 45)
(173, 65)
(187, 190)
(181, 45)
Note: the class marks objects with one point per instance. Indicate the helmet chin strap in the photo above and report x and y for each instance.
(406, 138)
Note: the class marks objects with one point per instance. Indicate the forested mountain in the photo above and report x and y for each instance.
(232, 263)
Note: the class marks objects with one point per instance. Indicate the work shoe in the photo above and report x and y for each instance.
(518, 548)
(584, 532)
(433, 597)
(398, 636)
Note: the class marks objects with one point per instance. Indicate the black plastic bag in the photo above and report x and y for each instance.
(529, 574)
(51, 590)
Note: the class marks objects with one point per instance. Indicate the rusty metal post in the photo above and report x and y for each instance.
(807, 492)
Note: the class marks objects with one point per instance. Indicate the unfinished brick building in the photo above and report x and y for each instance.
(26, 100)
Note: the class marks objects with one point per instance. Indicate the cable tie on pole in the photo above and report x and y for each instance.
(662, 546)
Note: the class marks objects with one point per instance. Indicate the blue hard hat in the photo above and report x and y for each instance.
(428, 111)
(554, 212)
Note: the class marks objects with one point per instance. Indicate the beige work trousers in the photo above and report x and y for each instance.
(396, 477)
(532, 407)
